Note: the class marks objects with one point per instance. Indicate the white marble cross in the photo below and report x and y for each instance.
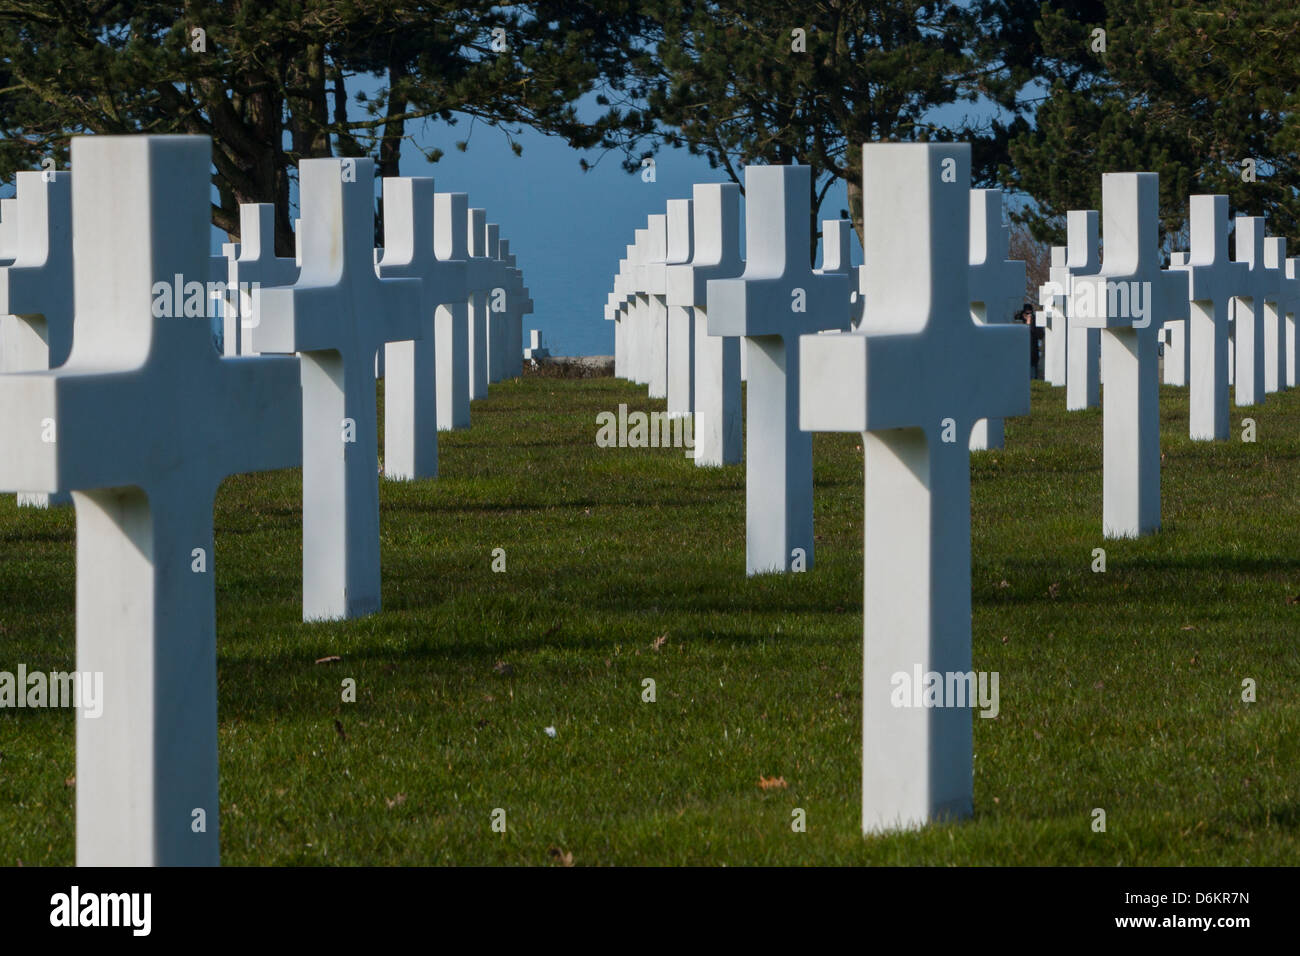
(1275, 311)
(1083, 350)
(451, 247)
(1053, 296)
(680, 318)
(498, 306)
(1232, 340)
(715, 255)
(836, 245)
(337, 315)
(622, 301)
(509, 343)
(519, 303)
(837, 237)
(616, 312)
(997, 286)
(511, 321)
(654, 266)
(775, 300)
(480, 277)
(224, 293)
(536, 350)
(1129, 300)
(1259, 287)
(143, 423)
(913, 381)
(8, 230)
(638, 345)
(611, 311)
(256, 266)
(858, 297)
(1174, 334)
(1292, 296)
(1173, 337)
(1215, 278)
(524, 307)
(628, 303)
(36, 307)
(411, 366)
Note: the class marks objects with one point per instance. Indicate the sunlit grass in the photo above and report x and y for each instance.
(1119, 691)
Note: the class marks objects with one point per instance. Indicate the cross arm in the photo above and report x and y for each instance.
(764, 305)
(1133, 301)
(397, 310)
(1214, 281)
(21, 286)
(856, 382)
(1174, 301)
(996, 285)
(450, 278)
(480, 273)
(688, 284)
(314, 318)
(63, 430)
(263, 394)
(31, 410)
(298, 318)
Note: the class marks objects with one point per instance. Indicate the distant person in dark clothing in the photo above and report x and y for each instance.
(1026, 316)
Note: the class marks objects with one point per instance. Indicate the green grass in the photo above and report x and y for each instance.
(1118, 690)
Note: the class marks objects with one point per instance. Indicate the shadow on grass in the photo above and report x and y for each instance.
(1285, 816)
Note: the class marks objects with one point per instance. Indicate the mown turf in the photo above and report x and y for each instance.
(1119, 690)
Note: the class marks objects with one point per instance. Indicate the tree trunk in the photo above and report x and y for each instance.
(310, 115)
(855, 205)
(390, 146)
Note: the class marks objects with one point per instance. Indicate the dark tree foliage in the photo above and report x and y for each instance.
(733, 81)
(268, 79)
(1188, 90)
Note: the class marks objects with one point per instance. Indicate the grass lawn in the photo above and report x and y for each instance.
(1119, 690)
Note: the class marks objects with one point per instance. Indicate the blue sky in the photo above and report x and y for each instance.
(567, 228)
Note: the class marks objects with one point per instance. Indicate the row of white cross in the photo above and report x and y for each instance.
(1258, 267)
(678, 283)
(915, 375)
(472, 296)
(141, 420)
(144, 420)
(905, 355)
(1224, 320)
(1193, 302)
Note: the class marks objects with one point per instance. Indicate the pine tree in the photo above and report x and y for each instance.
(773, 81)
(1188, 90)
